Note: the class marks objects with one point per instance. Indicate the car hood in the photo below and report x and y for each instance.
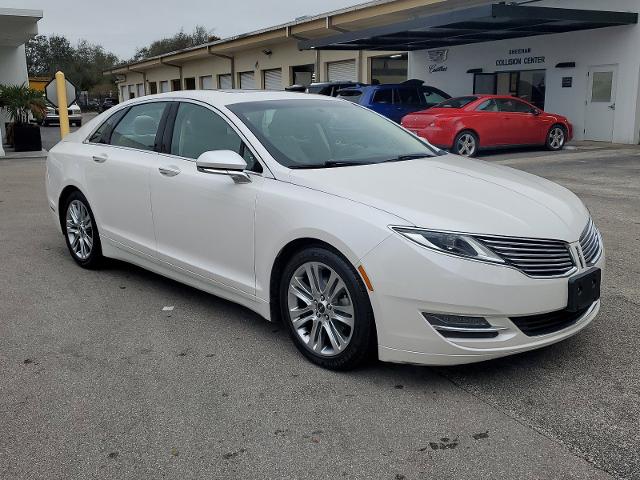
(457, 194)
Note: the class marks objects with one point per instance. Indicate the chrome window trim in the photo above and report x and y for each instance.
(214, 109)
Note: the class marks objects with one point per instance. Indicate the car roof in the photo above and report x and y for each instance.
(229, 97)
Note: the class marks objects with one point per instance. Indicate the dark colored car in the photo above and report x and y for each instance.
(107, 103)
(331, 89)
(394, 101)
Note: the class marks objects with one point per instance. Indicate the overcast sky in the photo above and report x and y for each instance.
(122, 26)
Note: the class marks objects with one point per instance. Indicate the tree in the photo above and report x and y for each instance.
(83, 64)
(179, 41)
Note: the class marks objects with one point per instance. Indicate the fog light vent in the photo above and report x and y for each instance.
(453, 326)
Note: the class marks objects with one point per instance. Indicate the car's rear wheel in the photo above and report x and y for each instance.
(81, 232)
(556, 138)
(326, 308)
(466, 144)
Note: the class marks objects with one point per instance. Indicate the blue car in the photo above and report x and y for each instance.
(395, 100)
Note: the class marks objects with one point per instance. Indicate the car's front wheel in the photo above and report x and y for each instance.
(466, 144)
(556, 138)
(81, 232)
(327, 310)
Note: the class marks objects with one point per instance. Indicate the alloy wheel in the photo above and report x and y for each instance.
(79, 229)
(556, 138)
(321, 309)
(466, 145)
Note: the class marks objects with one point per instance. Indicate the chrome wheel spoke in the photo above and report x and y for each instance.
(79, 229)
(321, 310)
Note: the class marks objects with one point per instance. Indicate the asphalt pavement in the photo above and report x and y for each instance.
(97, 381)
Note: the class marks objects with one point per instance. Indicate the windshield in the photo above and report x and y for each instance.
(458, 102)
(325, 133)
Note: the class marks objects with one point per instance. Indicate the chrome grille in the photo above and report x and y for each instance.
(534, 257)
(591, 243)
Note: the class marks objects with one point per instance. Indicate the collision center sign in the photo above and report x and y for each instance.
(522, 58)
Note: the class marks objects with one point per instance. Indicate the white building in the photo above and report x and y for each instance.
(16, 27)
(578, 58)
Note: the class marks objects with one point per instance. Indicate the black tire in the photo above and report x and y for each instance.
(556, 138)
(466, 144)
(94, 259)
(363, 341)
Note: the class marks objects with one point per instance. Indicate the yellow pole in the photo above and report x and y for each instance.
(61, 87)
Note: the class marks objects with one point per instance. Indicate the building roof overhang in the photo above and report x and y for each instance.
(477, 24)
(18, 25)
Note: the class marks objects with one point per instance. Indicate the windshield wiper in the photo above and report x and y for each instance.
(411, 156)
(329, 164)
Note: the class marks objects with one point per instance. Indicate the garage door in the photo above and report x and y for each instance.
(273, 79)
(342, 71)
(206, 82)
(224, 81)
(247, 80)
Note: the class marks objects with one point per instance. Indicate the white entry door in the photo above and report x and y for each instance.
(601, 103)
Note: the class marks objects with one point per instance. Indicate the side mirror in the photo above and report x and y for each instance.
(224, 162)
(535, 112)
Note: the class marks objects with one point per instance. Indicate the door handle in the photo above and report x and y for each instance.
(612, 106)
(169, 172)
(100, 158)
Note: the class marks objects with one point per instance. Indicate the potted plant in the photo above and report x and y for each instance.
(20, 101)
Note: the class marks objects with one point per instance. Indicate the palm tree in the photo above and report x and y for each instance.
(19, 101)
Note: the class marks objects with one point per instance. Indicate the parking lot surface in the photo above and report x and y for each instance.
(99, 382)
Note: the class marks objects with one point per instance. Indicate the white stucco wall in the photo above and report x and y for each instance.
(608, 46)
(13, 71)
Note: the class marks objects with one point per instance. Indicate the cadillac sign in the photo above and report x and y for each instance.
(438, 56)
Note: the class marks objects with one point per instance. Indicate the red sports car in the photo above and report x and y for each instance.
(466, 124)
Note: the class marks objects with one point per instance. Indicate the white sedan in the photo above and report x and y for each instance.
(362, 238)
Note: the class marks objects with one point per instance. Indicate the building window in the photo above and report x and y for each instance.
(302, 74)
(390, 69)
(530, 85)
(123, 93)
(225, 81)
(206, 82)
(164, 86)
(132, 91)
(247, 80)
(190, 83)
(153, 88)
(272, 79)
(175, 84)
(140, 89)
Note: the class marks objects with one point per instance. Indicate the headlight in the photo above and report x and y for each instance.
(452, 243)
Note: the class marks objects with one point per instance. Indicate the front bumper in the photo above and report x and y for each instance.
(56, 118)
(410, 280)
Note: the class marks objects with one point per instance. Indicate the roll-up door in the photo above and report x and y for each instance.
(206, 82)
(273, 79)
(247, 80)
(344, 71)
(224, 81)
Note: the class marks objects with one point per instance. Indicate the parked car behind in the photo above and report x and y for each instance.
(107, 103)
(467, 124)
(331, 89)
(53, 115)
(394, 101)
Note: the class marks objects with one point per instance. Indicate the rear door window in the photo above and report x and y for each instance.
(409, 96)
(139, 126)
(488, 106)
(351, 95)
(383, 96)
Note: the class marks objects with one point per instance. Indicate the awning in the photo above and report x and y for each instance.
(472, 25)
